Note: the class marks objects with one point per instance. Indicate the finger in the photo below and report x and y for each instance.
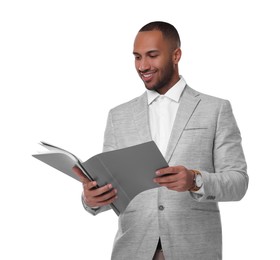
(169, 170)
(99, 191)
(106, 202)
(106, 196)
(167, 184)
(80, 174)
(90, 185)
(166, 179)
(101, 200)
(170, 185)
(170, 177)
(176, 186)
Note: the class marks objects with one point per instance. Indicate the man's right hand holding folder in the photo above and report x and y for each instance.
(95, 196)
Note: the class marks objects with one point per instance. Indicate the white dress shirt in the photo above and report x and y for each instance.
(162, 113)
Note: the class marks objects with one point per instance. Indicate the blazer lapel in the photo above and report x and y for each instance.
(188, 103)
(141, 118)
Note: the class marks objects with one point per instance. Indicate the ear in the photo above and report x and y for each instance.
(177, 53)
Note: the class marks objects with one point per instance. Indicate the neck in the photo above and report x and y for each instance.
(164, 89)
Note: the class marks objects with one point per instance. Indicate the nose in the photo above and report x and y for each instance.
(143, 65)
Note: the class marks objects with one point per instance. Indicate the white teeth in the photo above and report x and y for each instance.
(147, 75)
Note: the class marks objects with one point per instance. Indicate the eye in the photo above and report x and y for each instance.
(153, 55)
(137, 57)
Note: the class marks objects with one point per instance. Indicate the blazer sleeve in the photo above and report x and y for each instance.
(230, 181)
(109, 145)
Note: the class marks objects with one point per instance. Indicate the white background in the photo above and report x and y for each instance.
(64, 64)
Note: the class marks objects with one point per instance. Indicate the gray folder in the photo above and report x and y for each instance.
(130, 170)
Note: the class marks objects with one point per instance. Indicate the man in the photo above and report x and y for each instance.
(200, 140)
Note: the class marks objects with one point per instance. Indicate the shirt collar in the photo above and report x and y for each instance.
(173, 93)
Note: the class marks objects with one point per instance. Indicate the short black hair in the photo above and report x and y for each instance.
(168, 31)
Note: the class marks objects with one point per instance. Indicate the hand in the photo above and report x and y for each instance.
(95, 197)
(176, 178)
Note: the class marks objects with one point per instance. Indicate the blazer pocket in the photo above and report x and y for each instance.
(206, 210)
(192, 128)
(195, 136)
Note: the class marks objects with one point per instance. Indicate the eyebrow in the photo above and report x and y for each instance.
(149, 52)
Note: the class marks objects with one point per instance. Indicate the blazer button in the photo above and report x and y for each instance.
(161, 207)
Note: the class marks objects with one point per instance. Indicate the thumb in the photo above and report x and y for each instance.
(80, 174)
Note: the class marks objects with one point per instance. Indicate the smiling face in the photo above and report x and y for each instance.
(156, 61)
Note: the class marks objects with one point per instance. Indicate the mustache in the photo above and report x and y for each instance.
(146, 71)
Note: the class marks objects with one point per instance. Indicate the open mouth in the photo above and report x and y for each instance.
(147, 76)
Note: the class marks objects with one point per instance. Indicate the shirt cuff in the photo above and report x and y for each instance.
(198, 194)
(88, 208)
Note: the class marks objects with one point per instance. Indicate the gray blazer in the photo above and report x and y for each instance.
(205, 137)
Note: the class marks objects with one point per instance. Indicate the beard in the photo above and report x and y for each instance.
(166, 78)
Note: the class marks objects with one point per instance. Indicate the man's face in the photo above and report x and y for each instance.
(154, 61)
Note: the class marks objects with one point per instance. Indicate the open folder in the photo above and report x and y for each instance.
(130, 170)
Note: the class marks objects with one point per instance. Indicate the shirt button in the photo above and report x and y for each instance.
(161, 207)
